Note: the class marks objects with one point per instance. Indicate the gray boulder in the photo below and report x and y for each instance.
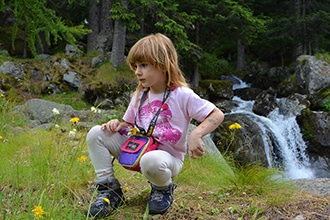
(312, 74)
(73, 79)
(42, 110)
(10, 68)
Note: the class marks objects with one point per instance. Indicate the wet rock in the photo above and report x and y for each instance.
(247, 93)
(218, 89)
(264, 104)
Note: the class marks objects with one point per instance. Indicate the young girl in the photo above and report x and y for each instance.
(154, 61)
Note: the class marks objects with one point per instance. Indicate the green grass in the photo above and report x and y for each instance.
(323, 56)
(73, 99)
(47, 169)
(107, 74)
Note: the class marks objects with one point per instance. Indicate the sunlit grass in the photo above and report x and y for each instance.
(50, 172)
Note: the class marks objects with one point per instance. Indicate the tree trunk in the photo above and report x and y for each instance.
(101, 25)
(25, 45)
(300, 12)
(240, 55)
(93, 21)
(304, 28)
(43, 47)
(118, 46)
(195, 75)
(106, 27)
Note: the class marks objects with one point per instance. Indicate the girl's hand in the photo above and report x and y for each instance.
(113, 125)
(195, 148)
(211, 122)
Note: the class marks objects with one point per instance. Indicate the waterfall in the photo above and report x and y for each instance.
(286, 135)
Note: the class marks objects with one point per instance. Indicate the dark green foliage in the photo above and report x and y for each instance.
(205, 32)
(39, 25)
(212, 67)
(296, 28)
(323, 97)
(122, 13)
(326, 105)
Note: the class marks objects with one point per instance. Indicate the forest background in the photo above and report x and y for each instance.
(212, 37)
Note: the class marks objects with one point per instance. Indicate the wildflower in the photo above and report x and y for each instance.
(38, 211)
(235, 126)
(126, 188)
(1, 137)
(2, 95)
(74, 120)
(134, 131)
(55, 111)
(95, 110)
(72, 133)
(82, 159)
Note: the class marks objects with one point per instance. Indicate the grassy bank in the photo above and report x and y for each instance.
(48, 175)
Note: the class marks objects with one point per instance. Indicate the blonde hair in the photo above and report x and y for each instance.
(159, 51)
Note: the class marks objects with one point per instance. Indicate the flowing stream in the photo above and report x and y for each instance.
(285, 132)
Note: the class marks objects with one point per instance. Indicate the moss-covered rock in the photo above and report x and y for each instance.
(217, 89)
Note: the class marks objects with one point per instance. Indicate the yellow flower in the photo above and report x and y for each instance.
(82, 159)
(134, 131)
(1, 137)
(106, 200)
(235, 126)
(126, 188)
(38, 211)
(74, 120)
(2, 95)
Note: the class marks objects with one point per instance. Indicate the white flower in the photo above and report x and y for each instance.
(72, 133)
(95, 110)
(55, 111)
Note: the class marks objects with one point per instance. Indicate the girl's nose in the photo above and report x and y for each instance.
(137, 71)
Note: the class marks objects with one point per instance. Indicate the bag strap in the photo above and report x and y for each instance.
(154, 119)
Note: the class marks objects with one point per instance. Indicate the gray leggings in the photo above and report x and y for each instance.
(158, 166)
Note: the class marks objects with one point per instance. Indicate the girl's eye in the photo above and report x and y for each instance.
(139, 65)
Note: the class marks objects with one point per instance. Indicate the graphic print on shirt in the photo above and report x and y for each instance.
(163, 127)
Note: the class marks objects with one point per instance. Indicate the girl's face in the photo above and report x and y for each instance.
(151, 76)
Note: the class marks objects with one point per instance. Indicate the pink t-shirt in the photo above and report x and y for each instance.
(172, 123)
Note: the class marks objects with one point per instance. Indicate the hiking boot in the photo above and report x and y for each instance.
(110, 197)
(161, 199)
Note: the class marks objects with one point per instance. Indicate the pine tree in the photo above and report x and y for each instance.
(33, 19)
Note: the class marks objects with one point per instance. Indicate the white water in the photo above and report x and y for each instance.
(287, 135)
